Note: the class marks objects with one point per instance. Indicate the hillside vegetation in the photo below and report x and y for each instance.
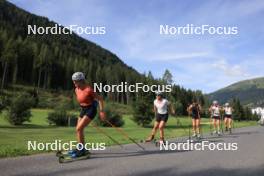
(250, 92)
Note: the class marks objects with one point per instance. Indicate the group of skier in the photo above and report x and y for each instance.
(88, 101)
(216, 112)
(162, 105)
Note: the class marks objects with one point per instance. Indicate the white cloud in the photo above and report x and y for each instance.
(180, 56)
(230, 70)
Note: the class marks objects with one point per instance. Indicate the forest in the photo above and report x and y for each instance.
(48, 61)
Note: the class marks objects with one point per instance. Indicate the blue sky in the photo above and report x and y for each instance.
(207, 62)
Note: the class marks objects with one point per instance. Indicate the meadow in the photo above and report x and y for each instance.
(14, 139)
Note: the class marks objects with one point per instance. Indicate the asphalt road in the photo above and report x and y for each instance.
(247, 160)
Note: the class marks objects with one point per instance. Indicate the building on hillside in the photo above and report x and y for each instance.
(260, 112)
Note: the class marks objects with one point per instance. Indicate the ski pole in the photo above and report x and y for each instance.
(124, 134)
(190, 128)
(233, 124)
(211, 121)
(222, 123)
(103, 132)
(180, 124)
(200, 125)
(189, 116)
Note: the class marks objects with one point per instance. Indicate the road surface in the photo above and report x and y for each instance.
(247, 160)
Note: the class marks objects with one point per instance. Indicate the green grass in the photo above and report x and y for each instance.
(13, 139)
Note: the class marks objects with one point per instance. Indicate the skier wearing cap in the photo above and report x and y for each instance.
(215, 111)
(161, 106)
(228, 117)
(88, 101)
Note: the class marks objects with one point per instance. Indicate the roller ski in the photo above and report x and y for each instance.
(145, 141)
(218, 133)
(66, 153)
(196, 137)
(150, 139)
(73, 155)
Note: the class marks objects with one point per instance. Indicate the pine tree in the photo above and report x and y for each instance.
(167, 77)
(8, 56)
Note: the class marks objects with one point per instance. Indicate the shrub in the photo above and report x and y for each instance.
(143, 112)
(67, 103)
(59, 117)
(19, 110)
(3, 102)
(35, 97)
(112, 116)
(178, 107)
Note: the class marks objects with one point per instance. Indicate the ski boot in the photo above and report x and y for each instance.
(80, 153)
(198, 136)
(160, 142)
(214, 132)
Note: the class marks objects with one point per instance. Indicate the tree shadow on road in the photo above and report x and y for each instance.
(134, 153)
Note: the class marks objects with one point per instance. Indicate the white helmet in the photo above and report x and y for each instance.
(215, 102)
(227, 104)
(158, 93)
(77, 76)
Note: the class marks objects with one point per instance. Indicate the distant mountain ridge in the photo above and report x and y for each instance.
(250, 92)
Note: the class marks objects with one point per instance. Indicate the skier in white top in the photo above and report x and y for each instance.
(215, 111)
(161, 106)
(228, 110)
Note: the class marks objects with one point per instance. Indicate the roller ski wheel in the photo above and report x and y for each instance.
(148, 141)
(198, 139)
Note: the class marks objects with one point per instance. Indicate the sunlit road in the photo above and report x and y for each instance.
(247, 160)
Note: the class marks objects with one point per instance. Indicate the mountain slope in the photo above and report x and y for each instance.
(49, 60)
(250, 92)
